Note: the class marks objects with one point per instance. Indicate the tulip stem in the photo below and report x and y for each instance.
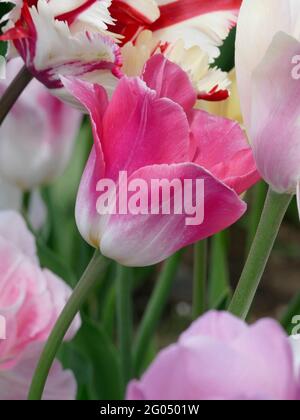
(154, 310)
(13, 92)
(77, 299)
(200, 278)
(125, 320)
(272, 216)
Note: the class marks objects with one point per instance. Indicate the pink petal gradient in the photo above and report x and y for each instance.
(31, 299)
(274, 126)
(14, 383)
(164, 77)
(221, 146)
(164, 234)
(221, 358)
(138, 128)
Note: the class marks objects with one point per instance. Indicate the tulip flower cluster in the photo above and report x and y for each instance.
(169, 147)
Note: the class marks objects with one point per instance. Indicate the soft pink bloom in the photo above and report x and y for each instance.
(31, 298)
(63, 37)
(150, 130)
(221, 358)
(38, 135)
(267, 65)
(15, 382)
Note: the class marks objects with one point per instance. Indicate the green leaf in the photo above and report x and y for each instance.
(219, 286)
(3, 48)
(71, 358)
(48, 259)
(5, 7)
(93, 342)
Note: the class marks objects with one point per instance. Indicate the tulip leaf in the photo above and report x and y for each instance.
(106, 380)
(50, 260)
(5, 7)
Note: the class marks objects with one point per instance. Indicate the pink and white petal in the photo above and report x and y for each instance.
(14, 230)
(140, 129)
(94, 98)
(204, 23)
(14, 383)
(146, 239)
(258, 23)
(57, 52)
(274, 124)
(169, 81)
(60, 293)
(87, 218)
(220, 145)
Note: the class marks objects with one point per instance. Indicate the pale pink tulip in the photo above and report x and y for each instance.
(150, 130)
(221, 358)
(267, 65)
(31, 298)
(15, 382)
(38, 135)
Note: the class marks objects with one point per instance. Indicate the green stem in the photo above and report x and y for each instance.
(200, 278)
(26, 204)
(154, 310)
(77, 299)
(258, 196)
(13, 92)
(125, 320)
(273, 213)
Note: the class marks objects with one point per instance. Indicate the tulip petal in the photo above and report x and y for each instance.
(204, 23)
(138, 128)
(164, 234)
(14, 230)
(14, 383)
(258, 23)
(165, 77)
(274, 125)
(221, 146)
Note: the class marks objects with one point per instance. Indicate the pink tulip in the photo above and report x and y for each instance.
(267, 64)
(150, 130)
(37, 137)
(63, 37)
(31, 298)
(15, 382)
(221, 358)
